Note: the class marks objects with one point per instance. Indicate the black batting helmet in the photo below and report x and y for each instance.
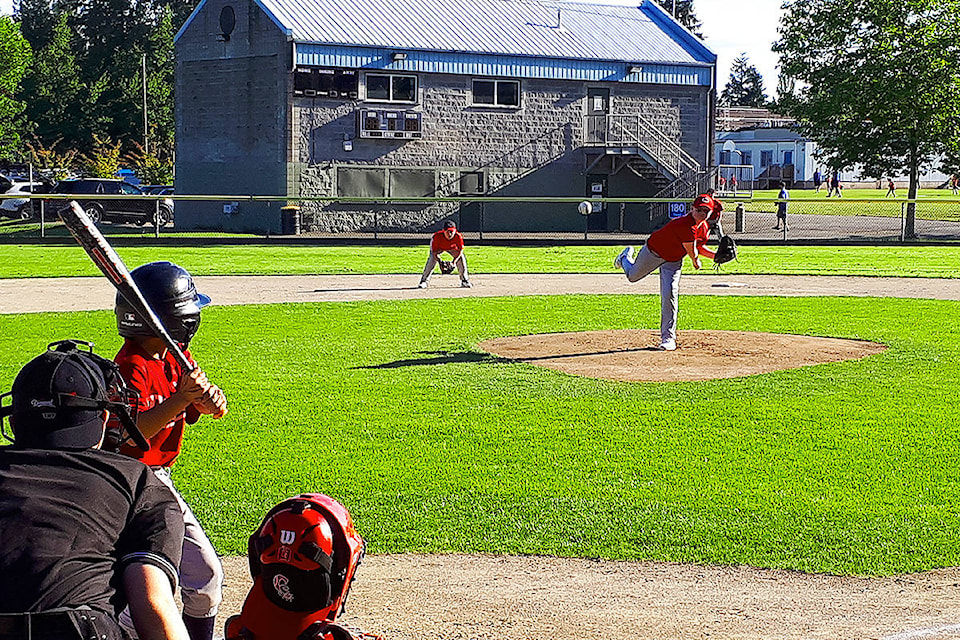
(58, 400)
(170, 292)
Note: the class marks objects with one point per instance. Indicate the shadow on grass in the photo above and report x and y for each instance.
(441, 357)
(447, 357)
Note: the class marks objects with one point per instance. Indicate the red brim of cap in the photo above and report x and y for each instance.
(267, 620)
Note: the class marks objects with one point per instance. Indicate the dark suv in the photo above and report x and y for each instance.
(134, 209)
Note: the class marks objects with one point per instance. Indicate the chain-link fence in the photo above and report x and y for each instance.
(614, 220)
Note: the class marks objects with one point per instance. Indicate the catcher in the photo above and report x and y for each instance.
(303, 558)
(665, 249)
(450, 241)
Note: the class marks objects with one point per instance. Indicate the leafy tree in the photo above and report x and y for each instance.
(881, 89)
(15, 57)
(103, 161)
(745, 86)
(152, 167)
(49, 161)
(684, 14)
(88, 75)
(52, 88)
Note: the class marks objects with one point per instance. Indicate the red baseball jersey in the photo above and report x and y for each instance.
(441, 243)
(155, 380)
(667, 242)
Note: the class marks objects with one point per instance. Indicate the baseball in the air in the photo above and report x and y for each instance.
(585, 208)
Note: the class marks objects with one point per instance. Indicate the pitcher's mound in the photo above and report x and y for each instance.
(630, 355)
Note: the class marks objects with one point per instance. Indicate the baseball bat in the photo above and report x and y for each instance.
(107, 260)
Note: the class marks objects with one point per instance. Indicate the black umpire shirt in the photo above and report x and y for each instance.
(71, 521)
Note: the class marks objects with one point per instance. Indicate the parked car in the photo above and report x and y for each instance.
(157, 189)
(133, 209)
(13, 207)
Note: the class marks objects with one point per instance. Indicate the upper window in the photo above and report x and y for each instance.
(502, 93)
(391, 88)
(766, 158)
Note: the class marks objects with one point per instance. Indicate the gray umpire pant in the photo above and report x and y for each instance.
(460, 262)
(643, 265)
(201, 573)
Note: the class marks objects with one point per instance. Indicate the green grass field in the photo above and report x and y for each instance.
(435, 446)
(30, 261)
(932, 204)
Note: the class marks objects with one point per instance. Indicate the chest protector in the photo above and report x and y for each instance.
(303, 557)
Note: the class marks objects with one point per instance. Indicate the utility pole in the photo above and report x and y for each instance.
(146, 131)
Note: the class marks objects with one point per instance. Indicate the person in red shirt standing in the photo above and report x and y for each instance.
(448, 239)
(716, 209)
(170, 399)
(665, 249)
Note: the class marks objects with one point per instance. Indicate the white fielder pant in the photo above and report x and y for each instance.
(460, 262)
(645, 263)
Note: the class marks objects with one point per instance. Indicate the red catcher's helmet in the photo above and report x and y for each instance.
(303, 557)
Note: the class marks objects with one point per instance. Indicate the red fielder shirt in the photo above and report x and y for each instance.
(667, 242)
(155, 381)
(441, 243)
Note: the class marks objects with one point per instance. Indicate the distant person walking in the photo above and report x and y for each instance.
(733, 182)
(891, 189)
(834, 186)
(955, 185)
(784, 195)
(817, 180)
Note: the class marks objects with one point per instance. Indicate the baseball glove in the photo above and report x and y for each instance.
(446, 267)
(726, 251)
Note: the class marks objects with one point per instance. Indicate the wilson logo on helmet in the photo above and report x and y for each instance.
(287, 537)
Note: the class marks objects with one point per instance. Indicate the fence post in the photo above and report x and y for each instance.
(156, 218)
(376, 223)
(42, 228)
(903, 222)
(481, 220)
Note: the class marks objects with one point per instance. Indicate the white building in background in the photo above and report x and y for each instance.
(764, 141)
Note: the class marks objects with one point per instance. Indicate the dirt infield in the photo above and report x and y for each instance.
(465, 597)
(515, 598)
(630, 355)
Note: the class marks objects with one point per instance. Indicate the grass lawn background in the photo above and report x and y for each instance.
(435, 446)
(29, 261)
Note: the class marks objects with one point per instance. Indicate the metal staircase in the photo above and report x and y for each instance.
(633, 142)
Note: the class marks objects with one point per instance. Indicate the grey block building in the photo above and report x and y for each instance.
(423, 98)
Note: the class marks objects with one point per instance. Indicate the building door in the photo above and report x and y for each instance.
(597, 188)
(598, 106)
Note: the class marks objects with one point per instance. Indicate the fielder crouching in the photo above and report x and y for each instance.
(83, 531)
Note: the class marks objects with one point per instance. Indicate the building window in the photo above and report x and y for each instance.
(766, 158)
(471, 182)
(391, 88)
(502, 93)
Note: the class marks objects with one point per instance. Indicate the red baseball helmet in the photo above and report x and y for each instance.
(704, 201)
(303, 558)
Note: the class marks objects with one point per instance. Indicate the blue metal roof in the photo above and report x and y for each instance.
(544, 29)
(319, 55)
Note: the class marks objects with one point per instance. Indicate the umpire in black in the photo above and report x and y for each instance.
(83, 531)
